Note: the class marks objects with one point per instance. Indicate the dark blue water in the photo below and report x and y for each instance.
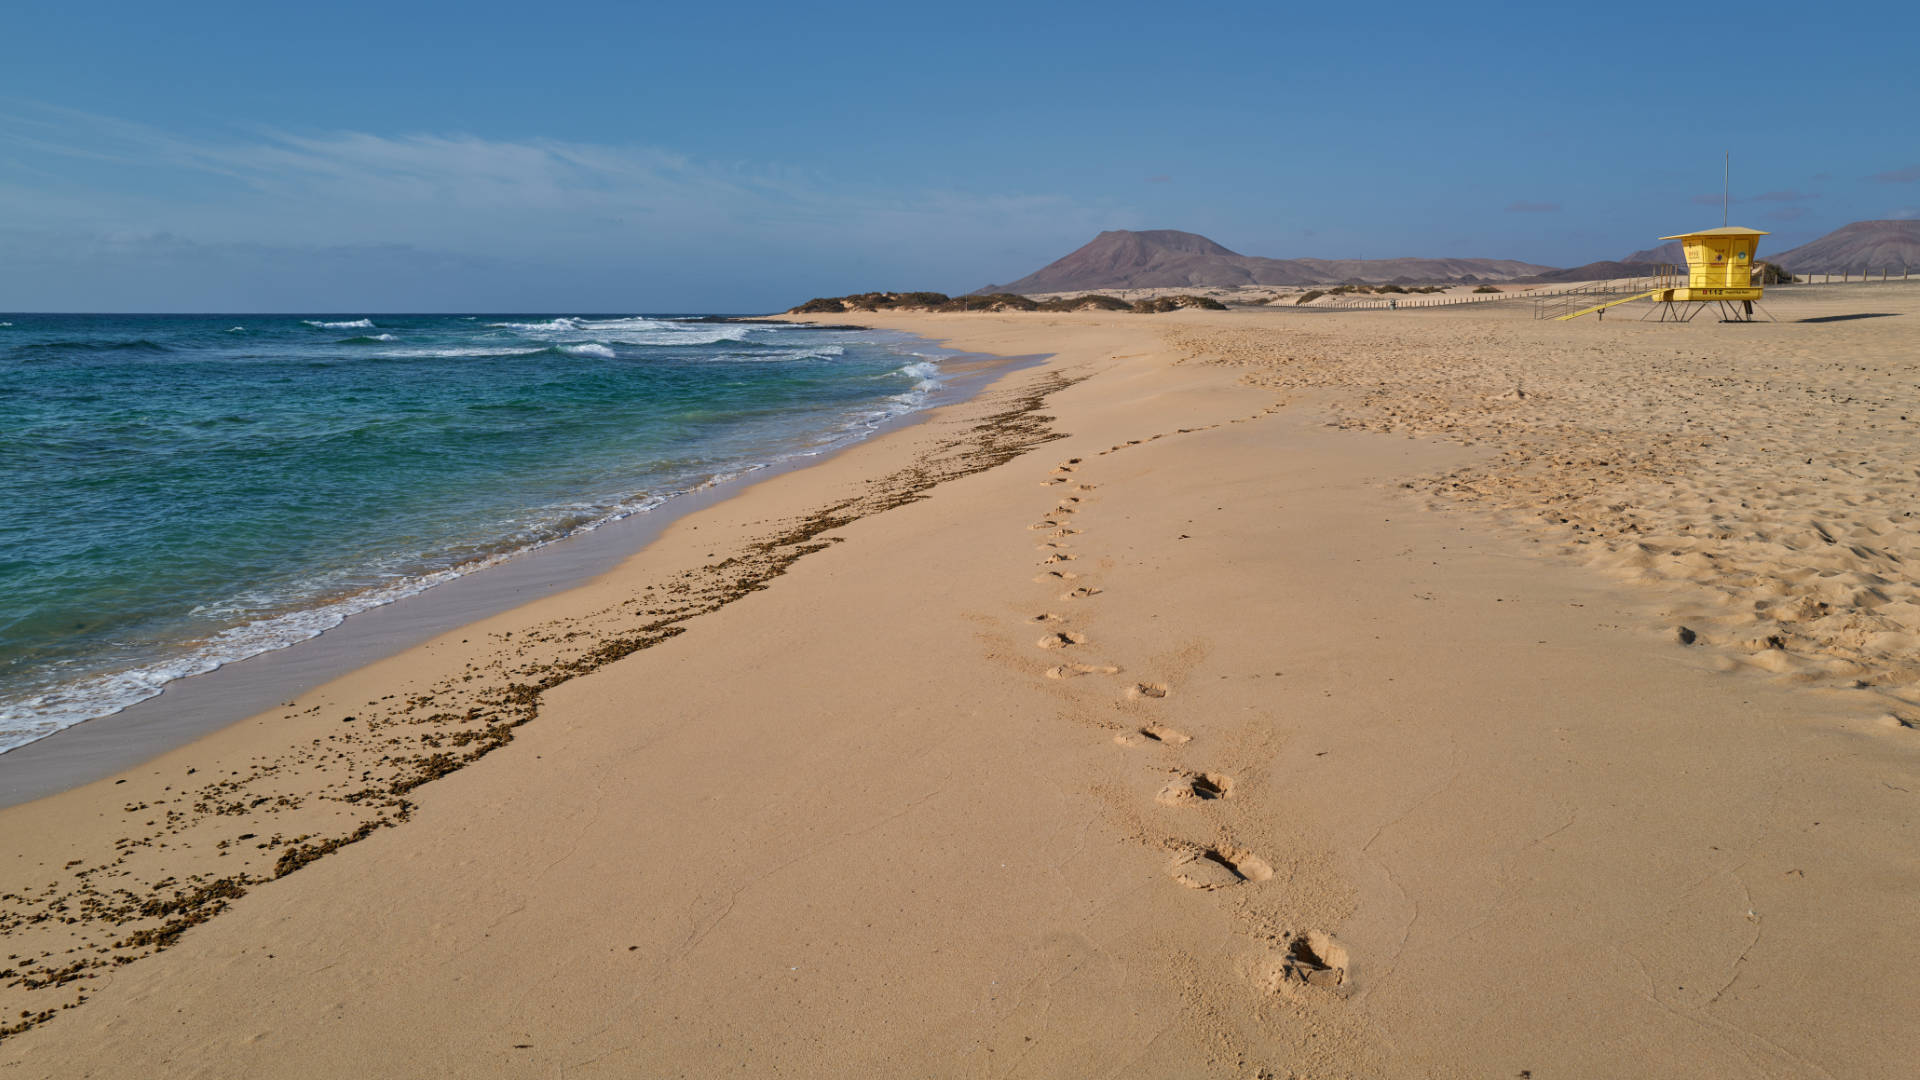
(177, 492)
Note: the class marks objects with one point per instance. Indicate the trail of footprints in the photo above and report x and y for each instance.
(1196, 867)
(1313, 958)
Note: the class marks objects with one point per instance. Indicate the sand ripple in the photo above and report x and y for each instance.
(1764, 475)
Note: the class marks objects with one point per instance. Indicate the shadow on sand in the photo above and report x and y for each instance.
(1850, 318)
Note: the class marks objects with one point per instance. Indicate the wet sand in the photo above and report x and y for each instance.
(1237, 694)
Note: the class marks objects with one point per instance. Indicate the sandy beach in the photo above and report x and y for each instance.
(1253, 693)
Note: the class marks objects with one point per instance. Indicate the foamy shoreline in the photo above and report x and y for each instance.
(94, 697)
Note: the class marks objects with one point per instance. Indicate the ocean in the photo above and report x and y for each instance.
(178, 492)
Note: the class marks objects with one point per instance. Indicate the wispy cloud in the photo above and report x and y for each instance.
(1524, 207)
(1788, 213)
(449, 171)
(1908, 175)
(453, 173)
(599, 207)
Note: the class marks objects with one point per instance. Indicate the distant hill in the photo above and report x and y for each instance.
(1863, 245)
(1667, 254)
(1605, 270)
(1168, 258)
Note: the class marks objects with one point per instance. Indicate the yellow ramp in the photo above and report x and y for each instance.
(1605, 306)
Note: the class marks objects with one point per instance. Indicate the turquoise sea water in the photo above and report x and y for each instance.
(178, 492)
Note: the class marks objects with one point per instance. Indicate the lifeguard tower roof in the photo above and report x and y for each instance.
(1724, 230)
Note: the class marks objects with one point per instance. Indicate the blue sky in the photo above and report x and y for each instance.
(626, 157)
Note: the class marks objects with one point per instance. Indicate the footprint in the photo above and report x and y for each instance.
(1046, 524)
(1043, 617)
(1053, 481)
(1186, 789)
(1074, 671)
(1218, 867)
(1082, 593)
(1147, 690)
(1318, 959)
(1058, 575)
(1061, 639)
(1058, 557)
(1153, 733)
(1062, 534)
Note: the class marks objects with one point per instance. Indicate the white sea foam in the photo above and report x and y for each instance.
(356, 324)
(562, 324)
(818, 352)
(591, 348)
(34, 718)
(24, 721)
(508, 350)
(630, 331)
(236, 329)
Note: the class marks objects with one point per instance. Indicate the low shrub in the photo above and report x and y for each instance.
(1486, 288)
(1089, 302)
(989, 302)
(820, 305)
(1310, 296)
(1175, 303)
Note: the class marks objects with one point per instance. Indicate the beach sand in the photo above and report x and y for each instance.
(1235, 694)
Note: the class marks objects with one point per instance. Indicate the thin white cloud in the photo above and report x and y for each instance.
(309, 175)
(600, 208)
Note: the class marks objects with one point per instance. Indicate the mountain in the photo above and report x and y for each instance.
(1605, 270)
(1168, 258)
(1864, 245)
(1667, 254)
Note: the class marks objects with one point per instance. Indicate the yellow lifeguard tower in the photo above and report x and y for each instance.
(1720, 266)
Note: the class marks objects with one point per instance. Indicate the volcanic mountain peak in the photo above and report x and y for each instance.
(1163, 258)
(1185, 243)
(1862, 246)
